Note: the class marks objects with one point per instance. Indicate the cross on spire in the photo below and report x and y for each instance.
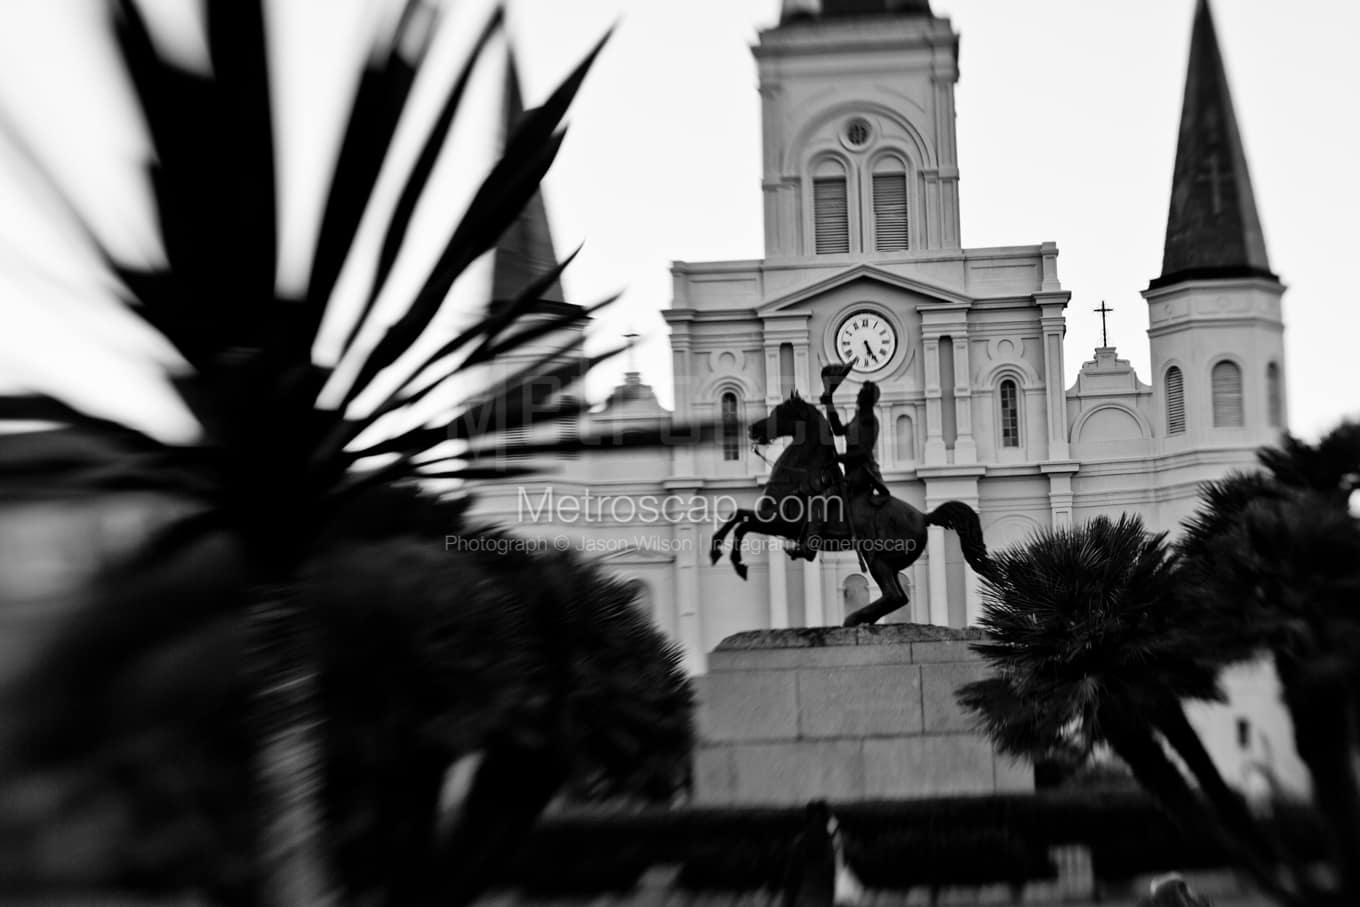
(1104, 332)
(1212, 227)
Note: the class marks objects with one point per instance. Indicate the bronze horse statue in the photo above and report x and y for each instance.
(889, 536)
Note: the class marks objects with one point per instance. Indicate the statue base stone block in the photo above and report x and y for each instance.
(865, 713)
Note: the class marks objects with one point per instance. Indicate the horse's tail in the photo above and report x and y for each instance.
(963, 519)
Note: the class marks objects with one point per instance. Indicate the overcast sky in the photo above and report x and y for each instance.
(1067, 116)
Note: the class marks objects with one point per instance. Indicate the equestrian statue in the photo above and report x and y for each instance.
(811, 501)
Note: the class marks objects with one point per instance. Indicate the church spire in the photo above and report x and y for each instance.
(1212, 229)
(525, 250)
(834, 9)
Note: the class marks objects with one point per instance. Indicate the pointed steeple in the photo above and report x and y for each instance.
(1212, 229)
(525, 250)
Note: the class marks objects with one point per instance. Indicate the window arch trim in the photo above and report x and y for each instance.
(917, 150)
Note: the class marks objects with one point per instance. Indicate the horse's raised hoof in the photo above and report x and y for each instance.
(714, 555)
(741, 570)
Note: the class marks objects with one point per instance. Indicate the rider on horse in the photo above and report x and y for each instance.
(863, 480)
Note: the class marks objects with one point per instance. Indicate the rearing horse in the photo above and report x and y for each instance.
(889, 536)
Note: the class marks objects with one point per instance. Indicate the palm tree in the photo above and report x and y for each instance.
(545, 670)
(1090, 646)
(211, 648)
(1273, 560)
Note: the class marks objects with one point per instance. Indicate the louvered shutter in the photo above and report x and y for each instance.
(514, 439)
(890, 211)
(1175, 402)
(1227, 389)
(830, 216)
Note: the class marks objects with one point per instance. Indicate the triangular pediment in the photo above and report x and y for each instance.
(813, 290)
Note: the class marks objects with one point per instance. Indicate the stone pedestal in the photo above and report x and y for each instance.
(786, 716)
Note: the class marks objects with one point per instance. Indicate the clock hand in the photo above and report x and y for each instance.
(869, 351)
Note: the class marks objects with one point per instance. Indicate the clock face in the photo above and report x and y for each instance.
(866, 341)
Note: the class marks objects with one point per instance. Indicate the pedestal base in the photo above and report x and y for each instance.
(786, 716)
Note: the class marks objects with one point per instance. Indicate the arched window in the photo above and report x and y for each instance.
(906, 440)
(1226, 382)
(731, 427)
(1274, 396)
(890, 206)
(1010, 414)
(1175, 401)
(830, 208)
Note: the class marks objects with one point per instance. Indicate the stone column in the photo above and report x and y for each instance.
(972, 597)
(688, 619)
(939, 592)
(934, 451)
(779, 587)
(965, 448)
(813, 611)
(809, 384)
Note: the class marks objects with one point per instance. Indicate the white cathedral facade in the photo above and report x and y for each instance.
(864, 263)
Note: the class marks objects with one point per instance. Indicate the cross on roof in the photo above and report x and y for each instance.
(1104, 333)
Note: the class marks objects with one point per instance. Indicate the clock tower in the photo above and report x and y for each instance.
(857, 102)
(864, 265)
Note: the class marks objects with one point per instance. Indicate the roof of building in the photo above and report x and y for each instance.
(840, 9)
(633, 400)
(1212, 229)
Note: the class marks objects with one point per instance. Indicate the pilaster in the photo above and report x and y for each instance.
(965, 448)
(772, 376)
(778, 586)
(935, 453)
(939, 592)
(1054, 327)
(951, 484)
(1060, 496)
(682, 383)
(814, 610)
(688, 618)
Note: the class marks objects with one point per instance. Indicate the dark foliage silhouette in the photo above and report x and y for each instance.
(275, 680)
(1090, 646)
(1097, 634)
